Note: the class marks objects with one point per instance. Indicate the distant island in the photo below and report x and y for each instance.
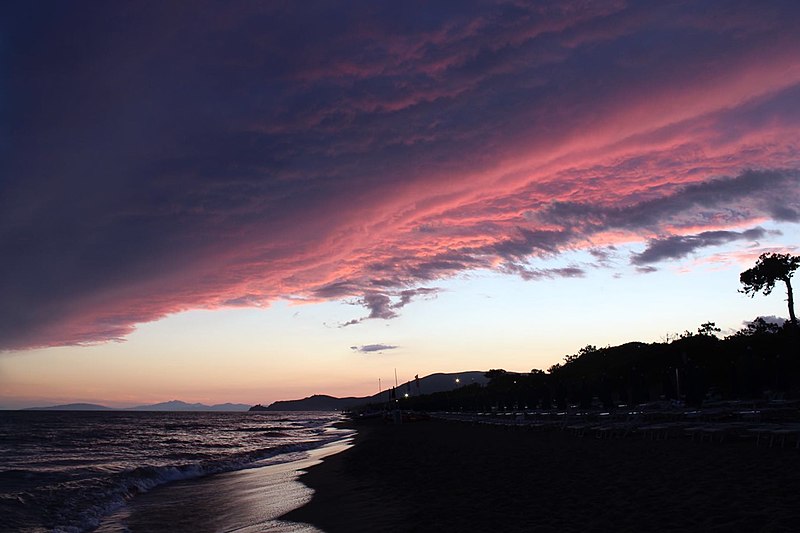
(72, 407)
(177, 405)
(173, 405)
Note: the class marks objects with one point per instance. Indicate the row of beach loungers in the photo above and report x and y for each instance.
(768, 427)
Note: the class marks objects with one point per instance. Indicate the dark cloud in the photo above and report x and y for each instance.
(604, 255)
(678, 246)
(156, 159)
(407, 295)
(530, 241)
(784, 213)
(443, 264)
(535, 274)
(336, 290)
(379, 305)
(247, 300)
(373, 348)
(751, 194)
(384, 305)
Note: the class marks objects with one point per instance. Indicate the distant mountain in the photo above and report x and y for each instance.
(72, 407)
(427, 385)
(177, 405)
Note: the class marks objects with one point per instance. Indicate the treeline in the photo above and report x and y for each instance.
(761, 361)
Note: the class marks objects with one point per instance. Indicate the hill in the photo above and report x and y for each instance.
(433, 383)
(758, 364)
(317, 402)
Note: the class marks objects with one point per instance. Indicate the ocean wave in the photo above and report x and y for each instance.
(79, 505)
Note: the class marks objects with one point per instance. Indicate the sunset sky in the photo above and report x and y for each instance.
(254, 201)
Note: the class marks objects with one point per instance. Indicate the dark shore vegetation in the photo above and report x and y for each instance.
(759, 362)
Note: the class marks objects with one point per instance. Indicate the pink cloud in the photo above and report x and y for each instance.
(271, 152)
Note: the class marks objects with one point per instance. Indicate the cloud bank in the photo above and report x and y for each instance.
(156, 160)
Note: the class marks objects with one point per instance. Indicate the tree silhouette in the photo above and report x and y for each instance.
(709, 329)
(769, 269)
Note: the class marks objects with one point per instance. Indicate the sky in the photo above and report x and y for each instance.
(254, 201)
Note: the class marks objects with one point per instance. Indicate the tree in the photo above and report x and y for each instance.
(554, 368)
(759, 326)
(583, 351)
(769, 269)
(708, 329)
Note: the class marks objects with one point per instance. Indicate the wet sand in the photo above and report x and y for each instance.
(451, 476)
(244, 501)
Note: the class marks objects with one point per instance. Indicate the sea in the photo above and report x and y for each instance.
(121, 471)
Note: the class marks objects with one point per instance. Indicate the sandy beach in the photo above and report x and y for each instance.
(452, 476)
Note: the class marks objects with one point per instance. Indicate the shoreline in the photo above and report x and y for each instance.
(248, 500)
(453, 476)
(341, 500)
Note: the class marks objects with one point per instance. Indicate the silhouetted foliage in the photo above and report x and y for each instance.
(709, 329)
(495, 373)
(768, 270)
(753, 363)
(756, 362)
(758, 326)
(583, 351)
(552, 369)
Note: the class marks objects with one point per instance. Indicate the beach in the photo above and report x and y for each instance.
(454, 476)
(245, 501)
(120, 471)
